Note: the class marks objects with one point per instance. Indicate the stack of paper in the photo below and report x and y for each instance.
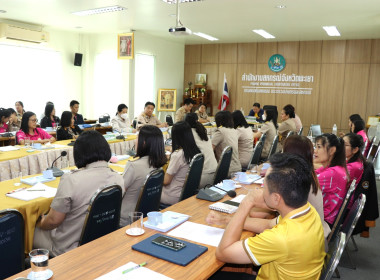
(9, 148)
(38, 190)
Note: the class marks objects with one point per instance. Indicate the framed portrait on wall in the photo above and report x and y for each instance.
(167, 100)
(125, 46)
(200, 79)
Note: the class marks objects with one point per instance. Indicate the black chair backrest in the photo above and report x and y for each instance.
(221, 172)
(193, 177)
(169, 120)
(134, 123)
(300, 131)
(353, 216)
(150, 195)
(256, 155)
(342, 211)
(12, 258)
(290, 133)
(273, 148)
(333, 256)
(103, 213)
(263, 138)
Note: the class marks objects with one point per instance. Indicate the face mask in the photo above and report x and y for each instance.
(264, 117)
(124, 116)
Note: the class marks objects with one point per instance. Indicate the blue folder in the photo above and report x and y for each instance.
(182, 257)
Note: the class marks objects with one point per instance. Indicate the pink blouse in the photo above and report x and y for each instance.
(4, 128)
(333, 182)
(355, 169)
(365, 138)
(39, 134)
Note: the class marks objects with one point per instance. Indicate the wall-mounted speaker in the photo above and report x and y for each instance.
(78, 59)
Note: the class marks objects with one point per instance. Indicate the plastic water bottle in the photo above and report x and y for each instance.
(242, 111)
(335, 129)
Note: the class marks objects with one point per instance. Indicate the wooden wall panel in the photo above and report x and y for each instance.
(230, 71)
(228, 53)
(306, 107)
(289, 50)
(358, 51)
(212, 82)
(265, 98)
(210, 53)
(244, 99)
(190, 71)
(375, 56)
(247, 52)
(193, 54)
(355, 91)
(285, 99)
(265, 51)
(330, 95)
(333, 51)
(373, 99)
(310, 52)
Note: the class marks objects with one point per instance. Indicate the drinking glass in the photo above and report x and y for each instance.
(136, 223)
(39, 260)
(27, 142)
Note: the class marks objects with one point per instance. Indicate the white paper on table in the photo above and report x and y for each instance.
(136, 274)
(9, 148)
(24, 195)
(260, 181)
(239, 198)
(199, 233)
(58, 146)
(48, 191)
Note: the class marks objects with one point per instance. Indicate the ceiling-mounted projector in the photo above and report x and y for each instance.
(179, 31)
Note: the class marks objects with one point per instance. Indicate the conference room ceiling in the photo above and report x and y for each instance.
(227, 20)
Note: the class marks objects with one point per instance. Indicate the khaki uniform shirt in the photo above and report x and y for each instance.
(269, 129)
(15, 126)
(223, 137)
(245, 143)
(180, 115)
(284, 128)
(143, 119)
(118, 123)
(178, 168)
(202, 115)
(73, 197)
(135, 174)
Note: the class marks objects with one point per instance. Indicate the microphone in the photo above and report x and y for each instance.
(230, 193)
(56, 171)
(120, 136)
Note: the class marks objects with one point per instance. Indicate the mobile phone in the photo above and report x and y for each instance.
(169, 243)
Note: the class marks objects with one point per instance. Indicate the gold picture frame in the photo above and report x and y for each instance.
(200, 79)
(125, 46)
(166, 100)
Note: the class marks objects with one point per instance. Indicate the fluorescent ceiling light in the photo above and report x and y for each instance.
(331, 30)
(281, 7)
(181, 1)
(208, 37)
(96, 11)
(263, 33)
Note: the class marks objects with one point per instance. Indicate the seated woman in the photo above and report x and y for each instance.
(351, 119)
(50, 119)
(202, 114)
(355, 160)
(4, 118)
(205, 146)
(245, 137)
(358, 127)
(150, 155)
(184, 149)
(14, 123)
(59, 231)
(333, 175)
(121, 122)
(29, 129)
(225, 135)
(287, 124)
(67, 129)
(269, 127)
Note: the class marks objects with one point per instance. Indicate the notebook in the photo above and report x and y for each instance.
(228, 206)
(182, 257)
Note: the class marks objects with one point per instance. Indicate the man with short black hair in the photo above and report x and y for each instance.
(147, 117)
(289, 247)
(186, 108)
(74, 107)
(257, 112)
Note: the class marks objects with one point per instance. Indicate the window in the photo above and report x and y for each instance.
(144, 81)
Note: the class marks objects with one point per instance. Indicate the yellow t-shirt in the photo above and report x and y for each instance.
(293, 249)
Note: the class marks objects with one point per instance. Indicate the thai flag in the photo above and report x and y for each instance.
(225, 99)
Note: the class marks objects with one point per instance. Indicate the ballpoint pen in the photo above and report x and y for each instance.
(35, 190)
(18, 190)
(135, 267)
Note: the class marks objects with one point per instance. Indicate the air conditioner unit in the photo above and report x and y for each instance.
(12, 32)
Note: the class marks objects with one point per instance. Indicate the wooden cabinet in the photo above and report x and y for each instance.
(200, 97)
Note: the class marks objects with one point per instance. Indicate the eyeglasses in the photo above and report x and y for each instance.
(33, 120)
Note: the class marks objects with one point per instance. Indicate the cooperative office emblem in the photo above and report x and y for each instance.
(276, 63)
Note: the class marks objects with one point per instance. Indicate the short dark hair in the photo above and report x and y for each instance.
(355, 117)
(182, 137)
(66, 119)
(25, 121)
(290, 177)
(73, 102)
(149, 103)
(271, 116)
(239, 119)
(48, 109)
(13, 111)
(150, 143)
(121, 107)
(358, 125)
(256, 105)
(20, 102)
(329, 140)
(356, 141)
(224, 118)
(290, 111)
(202, 104)
(4, 113)
(188, 101)
(192, 120)
(91, 147)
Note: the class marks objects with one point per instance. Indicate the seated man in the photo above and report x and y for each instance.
(147, 117)
(74, 107)
(257, 112)
(288, 247)
(186, 108)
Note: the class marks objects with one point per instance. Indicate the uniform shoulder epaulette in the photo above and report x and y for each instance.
(134, 159)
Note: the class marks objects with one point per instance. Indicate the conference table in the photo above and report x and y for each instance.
(111, 251)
